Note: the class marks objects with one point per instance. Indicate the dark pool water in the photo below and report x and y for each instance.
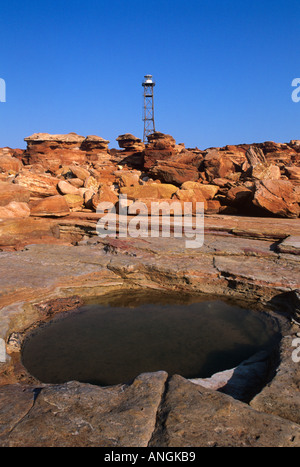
(107, 344)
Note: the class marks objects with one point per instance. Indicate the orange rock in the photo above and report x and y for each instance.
(127, 178)
(77, 182)
(266, 171)
(238, 196)
(52, 206)
(9, 164)
(12, 192)
(79, 172)
(190, 196)
(293, 173)
(217, 165)
(66, 188)
(154, 190)
(14, 209)
(208, 191)
(277, 197)
(17, 232)
(105, 194)
(213, 206)
(74, 201)
(130, 142)
(92, 183)
(39, 185)
(170, 171)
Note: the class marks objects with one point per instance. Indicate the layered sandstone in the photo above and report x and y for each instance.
(77, 173)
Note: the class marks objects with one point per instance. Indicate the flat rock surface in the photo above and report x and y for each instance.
(193, 416)
(78, 415)
(282, 395)
(240, 259)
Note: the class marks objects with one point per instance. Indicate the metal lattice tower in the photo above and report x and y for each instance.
(148, 115)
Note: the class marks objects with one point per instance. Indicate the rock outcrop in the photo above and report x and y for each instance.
(77, 173)
(156, 409)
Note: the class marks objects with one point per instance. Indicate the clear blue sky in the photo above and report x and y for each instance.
(223, 68)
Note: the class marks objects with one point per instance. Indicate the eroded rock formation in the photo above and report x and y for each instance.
(49, 195)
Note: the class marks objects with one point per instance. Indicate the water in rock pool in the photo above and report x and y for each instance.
(111, 344)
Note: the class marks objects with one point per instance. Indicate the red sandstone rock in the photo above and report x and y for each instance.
(153, 190)
(238, 196)
(76, 182)
(127, 178)
(9, 164)
(174, 172)
(277, 197)
(293, 173)
(52, 206)
(14, 209)
(53, 151)
(92, 183)
(258, 167)
(130, 142)
(16, 232)
(39, 185)
(12, 192)
(94, 144)
(208, 191)
(191, 196)
(79, 172)
(160, 147)
(65, 188)
(159, 140)
(216, 165)
(213, 206)
(104, 195)
(266, 171)
(74, 201)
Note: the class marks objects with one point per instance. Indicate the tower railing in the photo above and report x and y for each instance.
(148, 109)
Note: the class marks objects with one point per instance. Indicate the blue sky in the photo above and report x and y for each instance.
(223, 69)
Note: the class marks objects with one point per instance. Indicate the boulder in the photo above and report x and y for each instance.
(66, 188)
(9, 164)
(15, 232)
(208, 191)
(127, 178)
(53, 151)
(153, 190)
(174, 172)
(158, 140)
(91, 183)
(52, 206)
(193, 415)
(190, 196)
(238, 196)
(266, 171)
(12, 192)
(277, 197)
(105, 194)
(14, 209)
(93, 143)
(160, 147)
(130, 142)
(76, 182)
(217, 165)
(293, 173)
(212, 206)
(74, 201)
(39, 185)
(79, 172)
